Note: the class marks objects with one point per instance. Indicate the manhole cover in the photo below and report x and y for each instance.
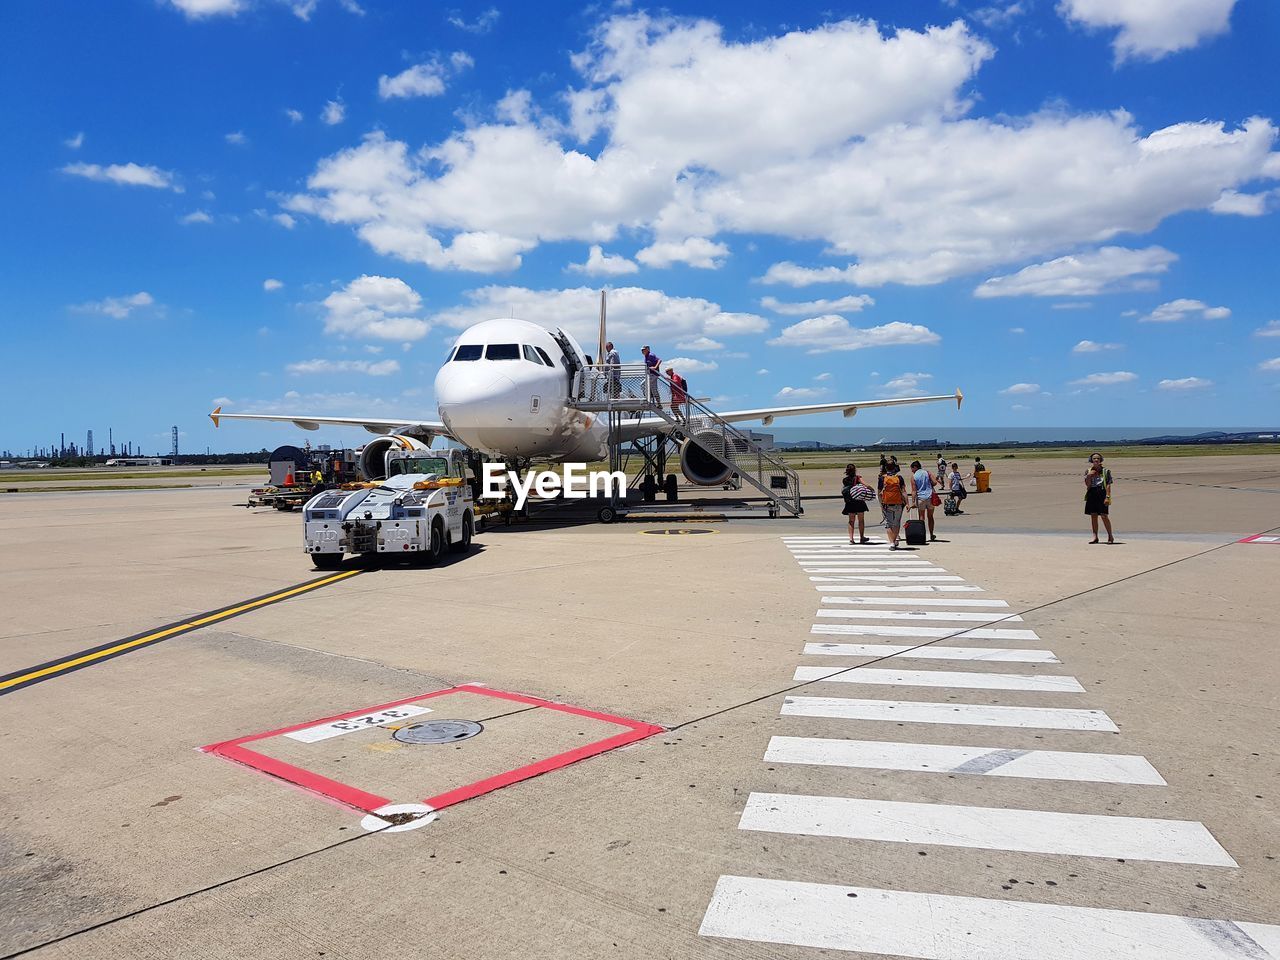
(438, 731)
(675, 532)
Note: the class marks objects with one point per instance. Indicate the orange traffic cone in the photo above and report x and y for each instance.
(288, 479)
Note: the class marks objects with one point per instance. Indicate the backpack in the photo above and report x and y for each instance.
(891, 493)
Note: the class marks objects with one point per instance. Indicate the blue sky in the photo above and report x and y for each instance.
(295, 205)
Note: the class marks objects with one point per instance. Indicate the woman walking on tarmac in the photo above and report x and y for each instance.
(893, 501)
(1097, 496)
(856, 494)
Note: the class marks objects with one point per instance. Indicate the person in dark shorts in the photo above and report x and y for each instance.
(1097, 497)
(856, 495)
(893, 502)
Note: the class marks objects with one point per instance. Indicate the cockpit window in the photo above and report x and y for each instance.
(545, 359)
(502, 351)
(468, 351)
(531, 355)
(418, 465)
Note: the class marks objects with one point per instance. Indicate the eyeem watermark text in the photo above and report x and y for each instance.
(573, 483)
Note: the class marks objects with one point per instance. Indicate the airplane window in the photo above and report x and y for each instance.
(468, 351)
(545, 359)
(449, 355)
(502, 351)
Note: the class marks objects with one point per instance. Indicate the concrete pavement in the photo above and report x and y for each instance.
(112, 810)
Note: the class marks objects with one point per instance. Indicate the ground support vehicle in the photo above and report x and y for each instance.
(424, 506)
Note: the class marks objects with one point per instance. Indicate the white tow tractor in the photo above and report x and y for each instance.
(423, 506)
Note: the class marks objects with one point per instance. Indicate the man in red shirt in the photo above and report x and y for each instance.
(679, 390)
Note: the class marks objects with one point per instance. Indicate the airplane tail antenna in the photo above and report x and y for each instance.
(600, 352)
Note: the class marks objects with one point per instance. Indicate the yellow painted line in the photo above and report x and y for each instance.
(124, 645)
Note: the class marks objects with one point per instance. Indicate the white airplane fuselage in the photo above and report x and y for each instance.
(504, 390)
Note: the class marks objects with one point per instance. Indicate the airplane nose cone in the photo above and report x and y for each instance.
(473, 402)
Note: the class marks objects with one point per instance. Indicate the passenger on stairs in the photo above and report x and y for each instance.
(679, 392)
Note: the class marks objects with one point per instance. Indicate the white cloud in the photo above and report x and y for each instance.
(906, 385)
(295, 116)
(126, 174)
(695, 251)
(1184, 309)
(334, 112)
(481, 24)
(461, 60)
(1106, 379)
(685, 365)
(285, 220)
(420, 80)
(380, 368)
(271, 284)
(1186, 383)
(1240, 204)
(1018, 389)
(237, 138)
(1272, 329)
(831, 332)
(1091, 346)
(1072, 305)
(1017, 330)
(699, 343)
(74, 143)
(850, 304)
(801, 393)
(1151, 30)
(1019, 408)
(884, 170)
(794, 275)
(1270, 366)
(822, 376)
(381, 308)
(1105, 270)
(762, 372)
(601, 264)
(636, 315)
(196, 216)
(199, 9)
(117, 307)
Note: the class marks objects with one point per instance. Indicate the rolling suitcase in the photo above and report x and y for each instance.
(914, 532)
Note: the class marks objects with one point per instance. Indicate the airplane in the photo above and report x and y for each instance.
(505, 390)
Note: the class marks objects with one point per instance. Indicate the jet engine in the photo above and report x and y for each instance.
(698, 463)
(372, 461)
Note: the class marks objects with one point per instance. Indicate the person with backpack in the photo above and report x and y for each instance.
(893, 501)
(924, 495)
(856, 495)
(1097, 496)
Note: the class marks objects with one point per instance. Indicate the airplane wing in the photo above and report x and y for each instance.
(850, 407)
(422, 429)
(648, 425)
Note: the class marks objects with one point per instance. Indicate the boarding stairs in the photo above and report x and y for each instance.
(628, 392)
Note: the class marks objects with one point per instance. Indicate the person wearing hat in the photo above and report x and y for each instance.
(679, 390)
(651, 363)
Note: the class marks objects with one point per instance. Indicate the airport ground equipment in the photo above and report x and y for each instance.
(424, 505)
(708, 450)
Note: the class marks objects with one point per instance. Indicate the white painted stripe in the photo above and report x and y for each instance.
(888, 557)
(932, 652)
(972, 761)
(936, 633)
(800, 537)
(337, 728)
(842, 583)
(931, 926)
(869, 569)
(886, 579)
(912, 601)
(861, 613)
(986, 828)
(960, 680)
(964, 714)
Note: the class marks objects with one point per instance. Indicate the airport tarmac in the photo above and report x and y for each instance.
(887, 776)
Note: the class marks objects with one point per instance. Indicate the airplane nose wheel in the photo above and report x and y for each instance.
(607, 515)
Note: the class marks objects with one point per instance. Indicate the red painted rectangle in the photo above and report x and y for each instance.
(359, 799)
(1271, 538)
